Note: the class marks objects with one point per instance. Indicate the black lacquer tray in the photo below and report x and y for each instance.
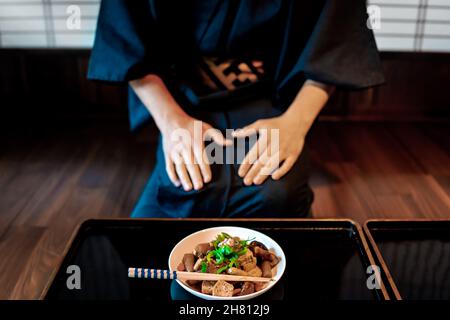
(414, 255)
(325, 259)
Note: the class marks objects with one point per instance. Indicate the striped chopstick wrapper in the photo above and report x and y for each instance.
(151, 273)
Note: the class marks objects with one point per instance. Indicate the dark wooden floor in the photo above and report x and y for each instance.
(51, 182)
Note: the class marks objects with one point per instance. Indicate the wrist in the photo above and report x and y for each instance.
(172, 120)
(298, 121)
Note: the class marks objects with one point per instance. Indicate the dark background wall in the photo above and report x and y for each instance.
(50, 84)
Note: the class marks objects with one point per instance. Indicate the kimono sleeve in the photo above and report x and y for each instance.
(340, 50)
(127, 42)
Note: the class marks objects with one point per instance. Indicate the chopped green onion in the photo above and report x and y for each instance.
(219, 257)
(209, 256)
(226, 235)
(226, 255)
(243, 251)
(222, 269)
(226, 250)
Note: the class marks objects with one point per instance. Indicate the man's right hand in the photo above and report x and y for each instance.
(187, 164)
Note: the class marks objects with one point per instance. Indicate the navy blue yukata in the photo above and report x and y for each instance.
(230, 63)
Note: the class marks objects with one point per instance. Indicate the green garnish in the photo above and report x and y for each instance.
(222, 269)
(226, 250)
(209, 255)
(244, 251)
(226, 254)
(218, 254)
(204, 267)
(233, 262)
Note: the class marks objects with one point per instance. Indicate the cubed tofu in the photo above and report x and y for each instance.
(207, 287)
(250, 264)
(247, 261)
(247, 288)
(223, 289)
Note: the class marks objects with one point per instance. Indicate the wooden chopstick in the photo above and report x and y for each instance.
(182, 275)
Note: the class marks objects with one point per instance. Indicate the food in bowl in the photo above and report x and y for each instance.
(233, 256)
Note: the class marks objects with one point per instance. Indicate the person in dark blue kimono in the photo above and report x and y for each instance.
(248, 65)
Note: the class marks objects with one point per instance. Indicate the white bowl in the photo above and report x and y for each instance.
(188, 244)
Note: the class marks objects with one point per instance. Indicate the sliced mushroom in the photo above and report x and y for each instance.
(194, 283)
(259, 286)
(255, 272)
(212, 268)
(237, 272)
(181, 267)
(267, 256)
(254, 244)
(198, 264)
(202, 249)
(274, 260)
(188, 261)
(263, 254)
(266, 268)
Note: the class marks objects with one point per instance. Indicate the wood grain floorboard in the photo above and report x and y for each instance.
(393, 177)
(16, 248)
(53, 180)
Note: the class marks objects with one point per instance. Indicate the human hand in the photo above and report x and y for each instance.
(281, 140)
(187, 164)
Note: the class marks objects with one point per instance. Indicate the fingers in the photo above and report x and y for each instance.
(186, 172)
(202, 161)
(182, 173)
(249, 130)
(285, 167)
(267, 170)
(216, 136)
(193, 169)
(188, 163)
(252, 156)
(170, 169)
(255, 169)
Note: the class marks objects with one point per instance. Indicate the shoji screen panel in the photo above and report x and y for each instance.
(404, 25)
(413, 25)
(48, 23)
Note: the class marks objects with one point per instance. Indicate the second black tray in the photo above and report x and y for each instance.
(415, 257)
